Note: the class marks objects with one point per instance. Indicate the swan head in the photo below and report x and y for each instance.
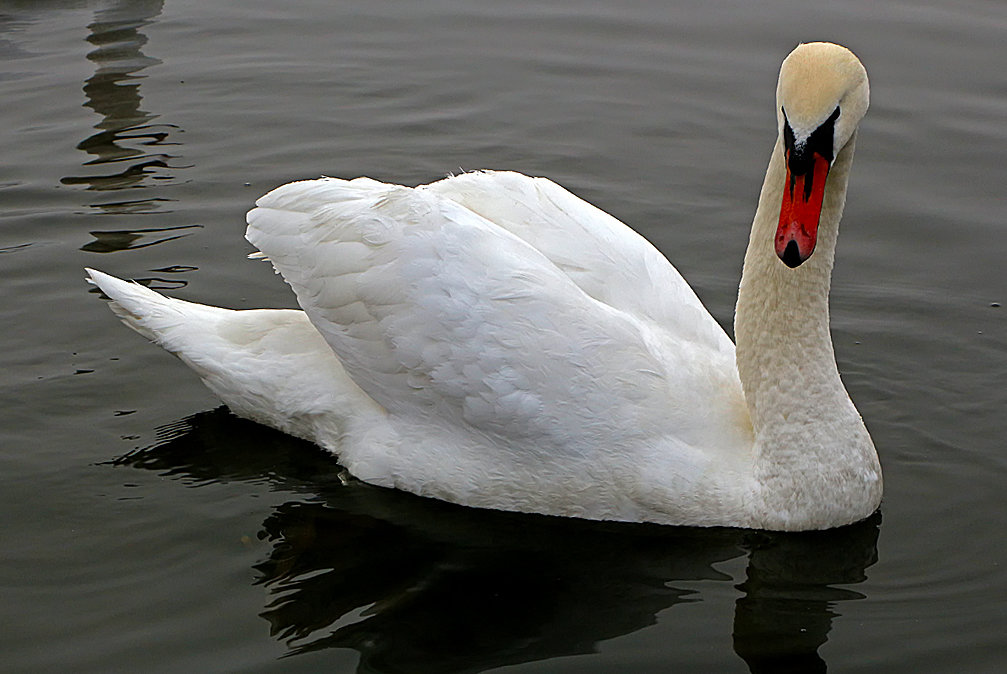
(821, 97)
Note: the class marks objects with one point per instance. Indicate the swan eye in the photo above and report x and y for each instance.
(800, 156)
(822, 139)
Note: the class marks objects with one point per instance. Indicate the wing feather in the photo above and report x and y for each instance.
(436, 311)
(604, 257)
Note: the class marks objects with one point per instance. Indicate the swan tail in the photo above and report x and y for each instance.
(149, 313)
(268, 365)
(210, 340)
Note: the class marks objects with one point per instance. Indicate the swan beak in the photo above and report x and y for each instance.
(803, 194)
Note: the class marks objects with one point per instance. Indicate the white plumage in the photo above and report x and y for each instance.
(492, 340)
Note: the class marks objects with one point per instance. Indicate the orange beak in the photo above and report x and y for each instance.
(801, 210)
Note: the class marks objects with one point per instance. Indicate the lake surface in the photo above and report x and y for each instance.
(146, 529)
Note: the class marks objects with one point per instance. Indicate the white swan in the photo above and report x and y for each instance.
(494, 341)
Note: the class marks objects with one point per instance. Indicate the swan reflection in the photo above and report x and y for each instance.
(424, 586)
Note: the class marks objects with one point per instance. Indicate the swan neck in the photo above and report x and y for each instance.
(784, 349)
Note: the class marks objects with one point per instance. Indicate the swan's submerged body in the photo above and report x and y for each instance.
(494, 341)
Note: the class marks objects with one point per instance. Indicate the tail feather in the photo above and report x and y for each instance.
(149, 313)
(268, 365)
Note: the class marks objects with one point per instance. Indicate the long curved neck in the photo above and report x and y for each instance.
(814, 463)
(784, 349)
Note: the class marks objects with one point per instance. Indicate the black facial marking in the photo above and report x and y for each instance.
(800, 158)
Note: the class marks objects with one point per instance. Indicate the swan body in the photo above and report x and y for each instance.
(493, 340)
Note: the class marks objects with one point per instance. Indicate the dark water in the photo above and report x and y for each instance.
(145, 530)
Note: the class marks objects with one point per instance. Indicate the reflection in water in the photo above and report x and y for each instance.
(152, 282)
(125, 134)
(132, 207)
(11, 24)
(131, 176)
(419, 585)
(786, 611)
(129, 239)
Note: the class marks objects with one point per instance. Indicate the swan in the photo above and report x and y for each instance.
(492, 340)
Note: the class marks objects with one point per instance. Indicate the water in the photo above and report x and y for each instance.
(146, 530)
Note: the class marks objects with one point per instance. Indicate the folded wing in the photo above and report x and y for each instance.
(605, 258)
(438, 313)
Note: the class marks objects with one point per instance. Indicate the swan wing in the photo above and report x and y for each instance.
(438, 313)
(605, 258)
